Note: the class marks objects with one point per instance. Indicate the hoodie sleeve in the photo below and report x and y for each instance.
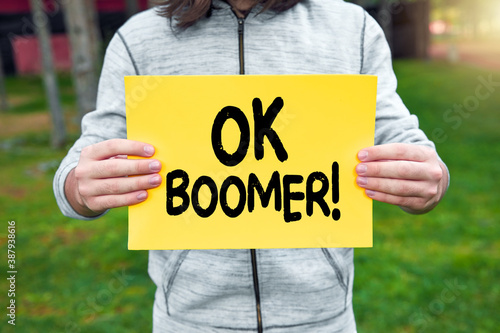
(106, 122)
(394, 123)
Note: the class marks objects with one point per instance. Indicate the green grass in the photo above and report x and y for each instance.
(438, 272)
(73, 276)
(431, 273)
(28, 95)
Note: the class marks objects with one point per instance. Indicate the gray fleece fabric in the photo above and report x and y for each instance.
(300, 290)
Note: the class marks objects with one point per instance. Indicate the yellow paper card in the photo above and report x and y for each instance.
(253, 161)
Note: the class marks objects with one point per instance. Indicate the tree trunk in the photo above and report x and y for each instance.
(422, 36)
(132, 7)
(41, 24)
(81, 25)
(3, 94)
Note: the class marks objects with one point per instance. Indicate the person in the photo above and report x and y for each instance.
(263, 290)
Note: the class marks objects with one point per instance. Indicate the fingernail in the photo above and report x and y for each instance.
(370, 193)
(362, 155)
(149, 150)
(142, 196)
(362, 181)
(155, 180)
(361, 169)
(155, 166)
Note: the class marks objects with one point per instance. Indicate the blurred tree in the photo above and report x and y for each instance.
(132, 7)
(81, 24)
(41, 24)
(404, 22)
(3, 93)
(470, 13)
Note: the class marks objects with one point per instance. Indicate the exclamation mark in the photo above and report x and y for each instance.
(335, 190)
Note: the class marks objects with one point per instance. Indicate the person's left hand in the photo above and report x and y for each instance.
(410, 176)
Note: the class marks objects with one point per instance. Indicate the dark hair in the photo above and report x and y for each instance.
(188, 12)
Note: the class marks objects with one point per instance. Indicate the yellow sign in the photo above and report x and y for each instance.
(253, 161)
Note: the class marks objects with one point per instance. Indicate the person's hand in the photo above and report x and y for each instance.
(100, 180)
(410, 176)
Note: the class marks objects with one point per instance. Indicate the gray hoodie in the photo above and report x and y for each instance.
(269, 290)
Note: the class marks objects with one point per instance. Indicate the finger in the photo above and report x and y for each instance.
(110, 148)
(119, 185)
(119, 156)
(104, 202)
(396, 151)
(415, 203)
(113, 168)
(397, 170)
(398, 187)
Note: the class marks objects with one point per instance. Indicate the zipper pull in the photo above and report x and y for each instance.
(240, 26)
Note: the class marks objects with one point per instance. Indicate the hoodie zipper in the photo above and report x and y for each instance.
(253, 254)
(241, 24)
(256, 290)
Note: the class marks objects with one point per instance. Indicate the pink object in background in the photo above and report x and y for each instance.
(27, 53)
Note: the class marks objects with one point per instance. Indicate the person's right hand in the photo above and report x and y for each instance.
(100, 180)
